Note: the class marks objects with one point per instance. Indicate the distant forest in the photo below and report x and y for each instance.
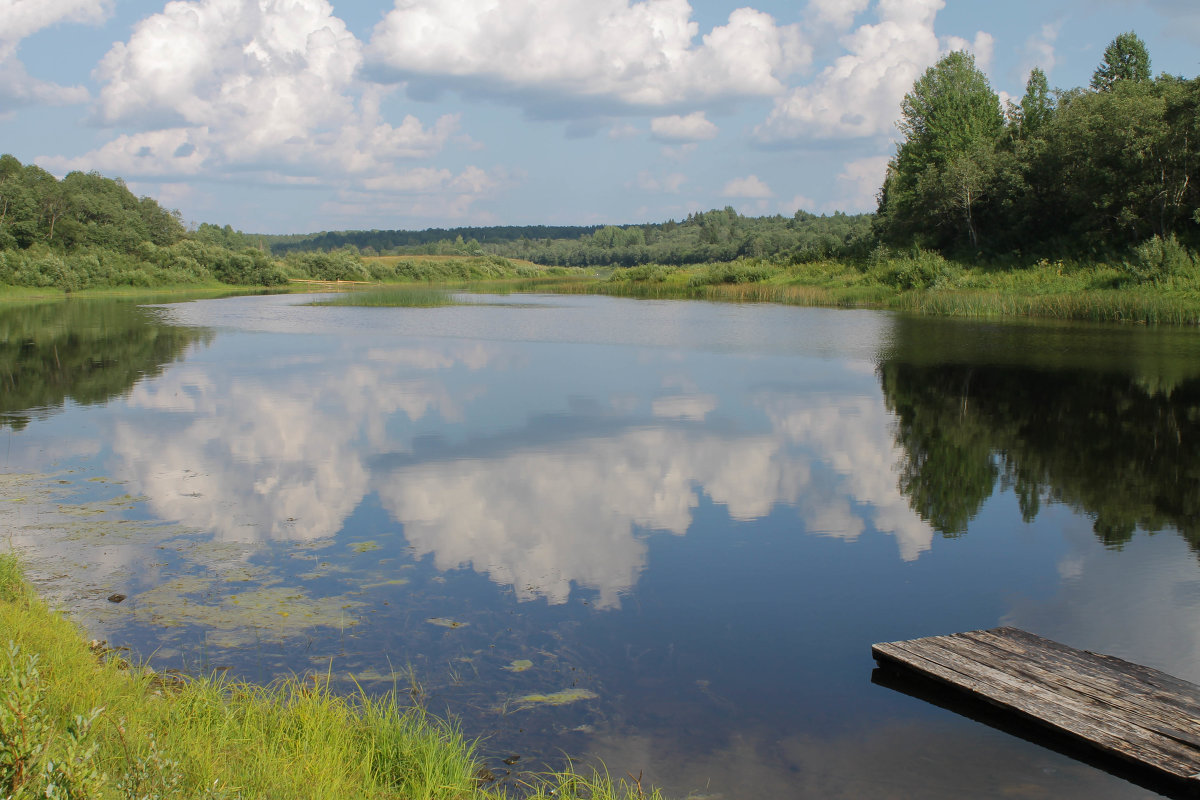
(705, 237)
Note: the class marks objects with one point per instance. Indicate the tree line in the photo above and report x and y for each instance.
(1084, 172)
(88, 230)
(703, 237)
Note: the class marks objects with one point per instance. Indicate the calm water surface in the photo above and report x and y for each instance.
(662, 535)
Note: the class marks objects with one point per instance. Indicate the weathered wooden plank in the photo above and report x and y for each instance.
(1041, 705)
(1078, 672)
(1090, 709)
(1128, 710)
(1084, 683)
(1134, 677)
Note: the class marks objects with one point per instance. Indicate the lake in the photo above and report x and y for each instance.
(658, 535)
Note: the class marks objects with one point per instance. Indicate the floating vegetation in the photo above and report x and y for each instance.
(447, 623)
(83, 550)
(565, 697)
(270, 613)
(371, 675)
(364, 547)
(392, 582)
(520, 665)
(409, 296)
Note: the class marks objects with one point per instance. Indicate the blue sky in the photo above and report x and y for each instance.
(289, 116)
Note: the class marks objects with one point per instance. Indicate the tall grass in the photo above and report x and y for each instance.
(926, 283)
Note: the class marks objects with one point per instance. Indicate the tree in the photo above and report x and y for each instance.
(950, 108)
(951, 117)
(1125, 59)
(1037, 106)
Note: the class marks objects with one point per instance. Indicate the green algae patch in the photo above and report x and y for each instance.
(520, 665)
(364, 547)
(270, 613)
(379, 584)
(368, 676)
(565, 697)
(447, 623)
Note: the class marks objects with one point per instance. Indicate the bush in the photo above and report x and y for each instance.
(1158, 260)
(734, 272)
(921, 269)
(650, 273)
(339, 265)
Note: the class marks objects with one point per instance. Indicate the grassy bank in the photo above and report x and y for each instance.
(928, 284)
(1149, 291)
(76, 723)
(154, 294)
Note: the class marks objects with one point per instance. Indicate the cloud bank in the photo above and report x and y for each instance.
(613, 54)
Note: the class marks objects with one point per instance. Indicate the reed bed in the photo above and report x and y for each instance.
(924, 284)
(394, 296)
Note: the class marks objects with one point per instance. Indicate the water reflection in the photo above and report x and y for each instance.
(82, 350)
(1117, 441)
(279, 455)
(704, 520)
(289, 450)
(541, 520)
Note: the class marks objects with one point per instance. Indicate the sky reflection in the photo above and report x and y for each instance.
(491, 457)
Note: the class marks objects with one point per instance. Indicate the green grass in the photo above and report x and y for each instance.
(86, 725)
(923, 283)
(154, 294)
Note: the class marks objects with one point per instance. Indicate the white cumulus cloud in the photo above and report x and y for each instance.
(669, 184)
(839, 13)
(222, 88)
(20, 19)
(749, 186)
(859, 182)
(566, 57)
(859, 94)
(1039, 49)
(693, 127)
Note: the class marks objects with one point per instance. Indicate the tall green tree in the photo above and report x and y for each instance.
(951, 121)
(1037, 105)
(1125, 59)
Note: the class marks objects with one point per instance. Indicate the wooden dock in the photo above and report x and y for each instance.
(1146, 717)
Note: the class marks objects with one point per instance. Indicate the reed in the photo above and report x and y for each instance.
(395, 296)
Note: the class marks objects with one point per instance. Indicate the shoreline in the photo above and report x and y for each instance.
(97, 725)
(1054, 291)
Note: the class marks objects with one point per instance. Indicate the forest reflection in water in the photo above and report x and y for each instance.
(1108, 427)
(692, 519)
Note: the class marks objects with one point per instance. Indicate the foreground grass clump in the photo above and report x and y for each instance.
(75, 724)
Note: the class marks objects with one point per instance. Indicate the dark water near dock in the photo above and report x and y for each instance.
(660, 534)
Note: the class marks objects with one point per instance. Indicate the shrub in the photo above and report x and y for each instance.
(1158, 260)
(921, 269)
(734, 272)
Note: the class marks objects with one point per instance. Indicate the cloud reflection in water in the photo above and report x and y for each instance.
(287, 453)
